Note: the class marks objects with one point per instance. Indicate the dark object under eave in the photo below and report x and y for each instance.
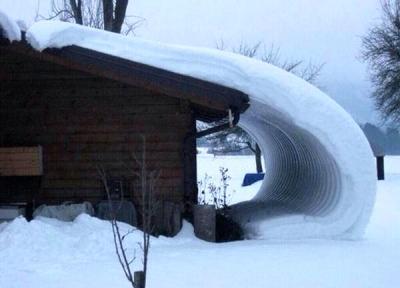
(251, 178)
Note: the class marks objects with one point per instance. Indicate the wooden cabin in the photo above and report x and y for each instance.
(66, 112)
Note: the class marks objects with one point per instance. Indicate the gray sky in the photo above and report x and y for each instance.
(327, 31)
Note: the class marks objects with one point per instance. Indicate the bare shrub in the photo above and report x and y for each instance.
(148, 180)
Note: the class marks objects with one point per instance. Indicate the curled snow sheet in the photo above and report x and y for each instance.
(9, 27)
(320, 179)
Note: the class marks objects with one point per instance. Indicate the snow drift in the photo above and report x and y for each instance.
(320, 179)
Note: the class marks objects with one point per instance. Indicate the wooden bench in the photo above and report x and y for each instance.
(21, 161)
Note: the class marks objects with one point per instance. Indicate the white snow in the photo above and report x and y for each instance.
(10, 27)
(321, 175)
(47, 253)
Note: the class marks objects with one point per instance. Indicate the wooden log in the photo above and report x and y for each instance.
(380, 167)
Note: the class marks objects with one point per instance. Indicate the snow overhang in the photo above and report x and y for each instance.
(320, 177)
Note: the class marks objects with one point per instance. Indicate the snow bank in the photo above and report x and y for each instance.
(47, 253)
(10, 27)
(320, 178)
(86, 237)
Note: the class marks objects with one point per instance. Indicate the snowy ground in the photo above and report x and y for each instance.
(47, 253)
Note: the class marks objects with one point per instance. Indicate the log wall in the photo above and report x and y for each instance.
(82, 122)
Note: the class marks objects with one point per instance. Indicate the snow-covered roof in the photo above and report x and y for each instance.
(320, 179)
(209, 100)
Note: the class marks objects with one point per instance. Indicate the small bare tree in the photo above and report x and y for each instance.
(119, 238)
(148, 180)
(149, 205)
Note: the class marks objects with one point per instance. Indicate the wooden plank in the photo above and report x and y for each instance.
(117, 147)
(33, 150)
(111, 156)
(21, 161)
(19, 171)
(85, 110)
(18, 157)
(87, 138)
(96, 183)
(172, 173)
(20, 164)
(135, 127)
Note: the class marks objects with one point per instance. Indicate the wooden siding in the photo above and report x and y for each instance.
(83, 122)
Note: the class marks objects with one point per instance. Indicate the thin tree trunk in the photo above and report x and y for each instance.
(257, 155)
(108, 11)
(119, 15)
(77, 11)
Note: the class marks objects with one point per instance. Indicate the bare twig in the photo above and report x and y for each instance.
(148, 181)
(118, 238)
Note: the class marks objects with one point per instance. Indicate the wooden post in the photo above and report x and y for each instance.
(205, 222)
(380, 167)
(139, 279)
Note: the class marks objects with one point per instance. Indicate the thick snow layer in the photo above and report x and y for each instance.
(47, 253)
(10, 27)
(320, 178)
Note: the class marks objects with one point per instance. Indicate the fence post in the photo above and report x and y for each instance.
(138, 277)
(205, 222)
(380, 167)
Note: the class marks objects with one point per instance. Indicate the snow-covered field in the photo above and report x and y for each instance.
(48, 253)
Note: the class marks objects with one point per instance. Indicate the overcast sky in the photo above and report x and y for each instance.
(327, 31)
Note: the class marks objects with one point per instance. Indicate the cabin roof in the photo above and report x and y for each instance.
(210, 101)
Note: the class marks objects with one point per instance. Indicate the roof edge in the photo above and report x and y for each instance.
(212, 100)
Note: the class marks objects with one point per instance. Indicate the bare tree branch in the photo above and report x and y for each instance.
(108, 15)
(381, 50)
(148, 180)
(118, 239)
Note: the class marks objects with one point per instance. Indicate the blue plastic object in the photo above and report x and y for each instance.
(251, 178)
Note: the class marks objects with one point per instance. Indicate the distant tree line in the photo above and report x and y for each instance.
(383, 141)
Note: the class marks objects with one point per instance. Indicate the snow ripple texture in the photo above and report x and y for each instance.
(320, 180)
